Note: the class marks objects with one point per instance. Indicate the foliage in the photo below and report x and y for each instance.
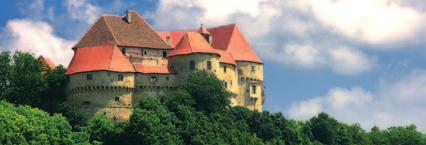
(25, 125)
(208, 92)
(199, 113)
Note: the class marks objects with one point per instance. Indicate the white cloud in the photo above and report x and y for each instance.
(345, 60)
(37, 37)
(372, 21)
(342, 60)
(82, 10)
(399, 102)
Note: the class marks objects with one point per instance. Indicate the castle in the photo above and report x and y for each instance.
(121, 59)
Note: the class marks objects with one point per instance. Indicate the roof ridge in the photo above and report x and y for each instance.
(146, 23)
(112, 54)
(112, 33)
(91, 26)
(189, 42)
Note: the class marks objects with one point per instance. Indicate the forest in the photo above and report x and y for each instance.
(33, 110)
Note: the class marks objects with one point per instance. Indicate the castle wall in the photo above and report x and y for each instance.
(181, 64)
(156, 85)
(104, 93)
(251, 74)
(146, 56)
(230, 79)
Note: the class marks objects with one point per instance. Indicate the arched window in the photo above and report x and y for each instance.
(192, 65)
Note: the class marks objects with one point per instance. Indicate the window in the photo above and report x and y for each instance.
(123, 50)
(120, 77)
(164, 54)
(253, 69)
(89, 77)
(142, 52)
(145, 53)
(209, 65)
(86, 103)
(253, 89)
(167, 78)
(224, 68)
(117, 99)
(153, 79)
(226, 85)
(192, 65)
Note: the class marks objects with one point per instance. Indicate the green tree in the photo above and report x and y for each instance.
(26, 80)
(55, 93)
(151, 123)
(180, 97)
(25, 125)
(104, 130)
(5, 69)
(208, 92)
(405, 136)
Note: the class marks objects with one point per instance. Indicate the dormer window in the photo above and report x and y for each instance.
(164, 54)
(123, 50)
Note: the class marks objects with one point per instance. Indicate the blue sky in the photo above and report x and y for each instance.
(358, 60)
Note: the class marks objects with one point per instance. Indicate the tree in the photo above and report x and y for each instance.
(151, 123)
(208, 92)
(25, 125)
(104, 130)
(26, 80)
(5, 69)
(55, 93)
(180, 97)
(405, 135)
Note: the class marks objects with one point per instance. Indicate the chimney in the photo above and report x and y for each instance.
(129, 16)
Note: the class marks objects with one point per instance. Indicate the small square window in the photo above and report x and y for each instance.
(120, 77)
(89, 77)
(153, 79)
(164, 54)
(86, 103)
(209, 65)
(253, 69)
(253, 89)
(117, 99)
(192, 65)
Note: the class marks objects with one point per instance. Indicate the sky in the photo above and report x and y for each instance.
(361, 61)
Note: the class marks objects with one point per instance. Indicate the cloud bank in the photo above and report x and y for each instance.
(397, 102)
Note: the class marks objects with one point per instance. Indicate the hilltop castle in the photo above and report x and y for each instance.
(121, 59)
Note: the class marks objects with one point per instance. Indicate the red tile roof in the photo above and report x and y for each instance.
(96, 58)
(47, 61)
(193, 42)
(153, 69)
(225, 57)
(227, 38)
(111, 29)
(230, 38)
